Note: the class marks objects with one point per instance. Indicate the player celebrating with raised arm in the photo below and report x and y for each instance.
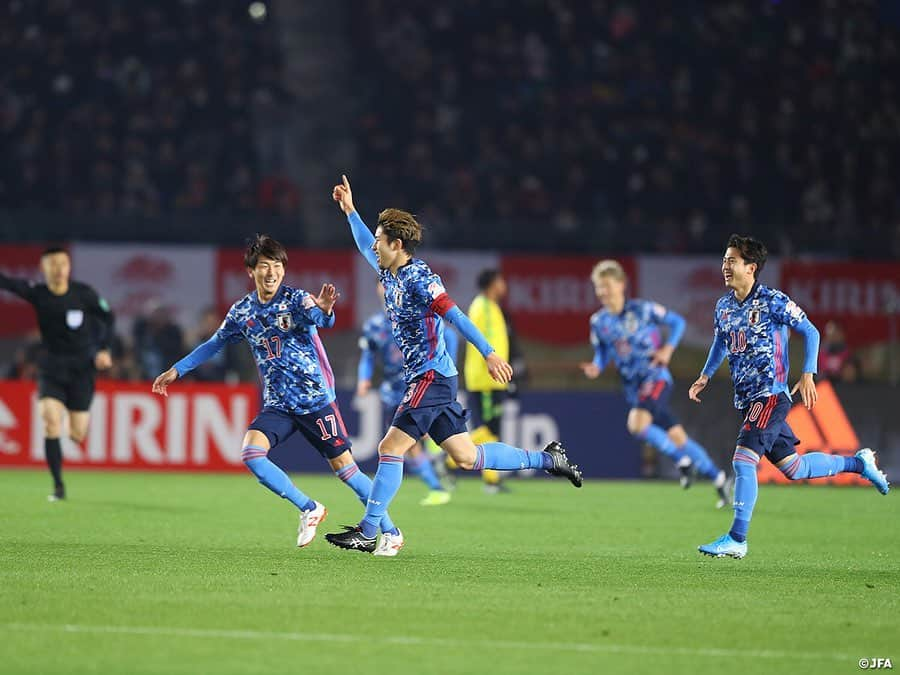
(377, 342)
(417, 304)
(751, 327)
(626, 331)
(76, 328)
(280, 324)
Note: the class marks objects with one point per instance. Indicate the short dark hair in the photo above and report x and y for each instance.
(264, 246)
(751, 250)
(486, 277)
(51, 250)
(402, 225)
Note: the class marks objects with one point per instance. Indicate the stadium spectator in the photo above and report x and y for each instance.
(158, 340)
(634, 125)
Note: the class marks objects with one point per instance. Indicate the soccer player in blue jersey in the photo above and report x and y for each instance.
(627, 332)
(417, 305)
(751, 328)
(280, 323)
(377, 343)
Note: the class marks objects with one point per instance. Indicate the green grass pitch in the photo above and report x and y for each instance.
(155, 573)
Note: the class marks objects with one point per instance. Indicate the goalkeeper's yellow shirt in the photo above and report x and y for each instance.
(488, 317)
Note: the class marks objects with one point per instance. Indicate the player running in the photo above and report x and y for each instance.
(417, 305)
(76, 327)
(377, 343)
(281, 323)
(751, 327)
(627, 333)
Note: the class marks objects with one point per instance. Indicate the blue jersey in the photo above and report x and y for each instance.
(409, 300)
(378, 341)
(297, 377)
(630, 339)
(754, 335)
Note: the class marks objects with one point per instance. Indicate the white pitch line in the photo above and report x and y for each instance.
(714, 652)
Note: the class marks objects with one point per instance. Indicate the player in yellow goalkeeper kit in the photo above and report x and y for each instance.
(486, 395)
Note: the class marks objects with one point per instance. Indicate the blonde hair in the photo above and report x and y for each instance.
(608, 268)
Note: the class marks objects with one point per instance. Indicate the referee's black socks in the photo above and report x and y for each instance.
(53, 450)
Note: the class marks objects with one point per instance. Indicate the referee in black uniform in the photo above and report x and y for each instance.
(76, 329)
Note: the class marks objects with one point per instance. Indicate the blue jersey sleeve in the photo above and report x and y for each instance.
(228, 333)
(601, 349)
(469, 330)
(363, 238)
(676, 325)
(451, 342)
(366, 367)
(810, 345)
(311, 314)
(717, 351)
(785, 311)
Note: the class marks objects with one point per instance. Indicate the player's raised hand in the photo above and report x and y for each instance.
(327, 297)
(103, 360)
(499, 369)
(662, 356)
(161, 383)
(697, 387)
(344, 196)
(590, 369)
(807, 387)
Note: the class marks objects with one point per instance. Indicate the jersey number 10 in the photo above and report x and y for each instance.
(738, 341)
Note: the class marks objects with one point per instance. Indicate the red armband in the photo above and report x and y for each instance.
(442, 304)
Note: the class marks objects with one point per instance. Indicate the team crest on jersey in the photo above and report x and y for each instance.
(284, 321)
(74, 318)
(753, 317)
(723, 315)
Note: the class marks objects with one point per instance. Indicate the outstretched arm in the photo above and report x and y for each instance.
(806, 385)
(361, 234)
(716, 354)
(201, 353)
(21, 287)
(499, 369)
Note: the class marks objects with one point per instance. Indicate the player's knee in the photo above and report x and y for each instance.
(52, 424)
(466, 463)
(249, 453)
(78, 435)
(636, 428)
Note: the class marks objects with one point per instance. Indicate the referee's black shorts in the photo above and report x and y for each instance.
(73, 384)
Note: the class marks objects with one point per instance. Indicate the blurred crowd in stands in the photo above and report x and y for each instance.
(636, 125)
(614, 125)
(140, 110)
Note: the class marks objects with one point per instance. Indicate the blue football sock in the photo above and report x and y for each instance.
(815, 465)
(274, 478)
(700, 459)
(505, 457)
(745, 491)
(384, 487)
(660, 440)
(853, 465)
(361, 484)
(421, 466)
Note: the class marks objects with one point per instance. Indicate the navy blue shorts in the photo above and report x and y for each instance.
(387, 413)
(324, 428)
(764, 429)
(430, 407)
(653, 396)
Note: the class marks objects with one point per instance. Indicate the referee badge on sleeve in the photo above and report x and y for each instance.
(74, 318)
